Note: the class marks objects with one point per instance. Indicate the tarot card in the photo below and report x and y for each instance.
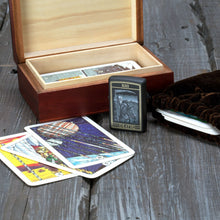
(97, 170)
(31, 172)
(110, 68)
(89, 71)
(80, 142)
(62, 75)
(30, 147)
(189, 121)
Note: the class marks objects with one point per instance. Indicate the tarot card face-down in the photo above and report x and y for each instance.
(80, 142)
(33, 173)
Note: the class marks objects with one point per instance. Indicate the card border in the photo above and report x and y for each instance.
(21, 175)
(130, 151)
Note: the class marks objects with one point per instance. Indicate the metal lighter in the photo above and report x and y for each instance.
(128, 104)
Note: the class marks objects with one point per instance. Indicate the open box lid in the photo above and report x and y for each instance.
(46, 27)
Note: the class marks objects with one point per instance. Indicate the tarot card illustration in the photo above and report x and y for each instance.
(31, 148)
(80, 142)
(33, 173)
(104, 70)
(62, 75)
(110, 68)
(94, 171)
(89, 71)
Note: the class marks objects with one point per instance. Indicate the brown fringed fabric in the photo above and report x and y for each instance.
(198, 96)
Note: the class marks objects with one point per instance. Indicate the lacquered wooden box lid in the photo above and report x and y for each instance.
(45, 27)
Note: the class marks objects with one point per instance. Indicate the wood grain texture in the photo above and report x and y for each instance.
(172, 175)
(55, 104)
(33, 22)
(93, 57)
(82, 24)
(174, 37)
(62, 200)
(5, 43)
(208, 13)
(16, 31)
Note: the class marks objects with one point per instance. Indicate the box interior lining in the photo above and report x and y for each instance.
(86, 58)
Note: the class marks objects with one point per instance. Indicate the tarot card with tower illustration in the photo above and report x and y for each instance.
(80, 142)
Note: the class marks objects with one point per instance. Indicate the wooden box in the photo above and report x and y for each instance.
(56, 35)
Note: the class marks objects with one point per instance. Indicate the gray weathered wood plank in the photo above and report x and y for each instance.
(173, 175)
(13, 110)
(67, 199)
(210, 17)
(171, 32)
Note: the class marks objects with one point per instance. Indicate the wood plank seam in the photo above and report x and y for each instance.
(204, 32)
(3, 14)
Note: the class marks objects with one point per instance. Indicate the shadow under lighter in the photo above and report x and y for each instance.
(127, 102)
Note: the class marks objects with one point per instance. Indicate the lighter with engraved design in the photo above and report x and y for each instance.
(128, 104)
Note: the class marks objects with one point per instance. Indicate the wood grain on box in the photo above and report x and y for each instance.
(53, 36)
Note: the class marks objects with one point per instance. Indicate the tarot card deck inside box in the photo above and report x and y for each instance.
(67, 50)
